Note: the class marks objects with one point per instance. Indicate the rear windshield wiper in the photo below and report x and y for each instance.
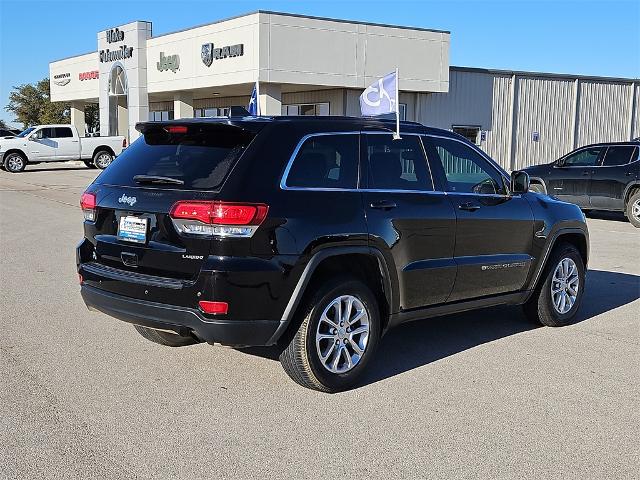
(157, 179)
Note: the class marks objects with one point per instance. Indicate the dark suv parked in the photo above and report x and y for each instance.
(604, 176)
(318, 235)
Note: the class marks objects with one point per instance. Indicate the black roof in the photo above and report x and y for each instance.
(634, 142)
(327, 122)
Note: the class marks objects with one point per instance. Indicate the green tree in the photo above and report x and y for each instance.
(32, 105)
(92, 116)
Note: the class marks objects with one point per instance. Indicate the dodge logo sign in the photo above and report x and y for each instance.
(207, 54)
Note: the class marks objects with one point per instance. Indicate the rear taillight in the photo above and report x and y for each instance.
(88, 205)
(218, 218)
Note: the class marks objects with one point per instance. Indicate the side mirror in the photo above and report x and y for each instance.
(519, 182)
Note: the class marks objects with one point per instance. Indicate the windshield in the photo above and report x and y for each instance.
(26, 132)
(199, 159)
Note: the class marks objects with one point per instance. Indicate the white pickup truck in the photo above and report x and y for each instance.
(58, 143)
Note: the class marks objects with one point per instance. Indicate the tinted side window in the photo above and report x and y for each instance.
(63, 132)
(326, 161)
(584, 158)
(618, 155)
(46, 133)
(397, 164)
(464, 169)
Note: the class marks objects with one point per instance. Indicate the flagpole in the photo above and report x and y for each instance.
(257, 98)
(397, 134)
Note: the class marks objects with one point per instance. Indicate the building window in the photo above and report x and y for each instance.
(403, 111)
(211, 112)
(160, 115)
(313, 109)
(470, 133)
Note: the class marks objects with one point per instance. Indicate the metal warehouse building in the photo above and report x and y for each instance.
(319, 66)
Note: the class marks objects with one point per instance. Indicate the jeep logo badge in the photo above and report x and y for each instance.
(128, 200)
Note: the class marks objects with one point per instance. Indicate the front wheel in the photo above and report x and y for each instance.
(556, 300)
(15, 162)
(337, 338)
(633, 209)
(102, 159)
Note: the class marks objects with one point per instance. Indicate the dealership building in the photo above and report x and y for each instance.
(319, 66)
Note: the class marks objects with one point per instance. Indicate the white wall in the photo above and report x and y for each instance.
(76, 89)
(311, 51)
(192, 72)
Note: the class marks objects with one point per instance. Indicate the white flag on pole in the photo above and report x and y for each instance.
(381, 98)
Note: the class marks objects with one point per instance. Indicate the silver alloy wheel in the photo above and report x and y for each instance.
(635, 209)
(103, 160)
(565, 285)
(342, 334)
(15, 163)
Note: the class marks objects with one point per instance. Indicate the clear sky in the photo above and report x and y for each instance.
(565, 36)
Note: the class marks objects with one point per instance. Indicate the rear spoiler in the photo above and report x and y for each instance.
(251, 124)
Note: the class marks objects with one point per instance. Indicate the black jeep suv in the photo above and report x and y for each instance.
(604, 176)
(318, 235)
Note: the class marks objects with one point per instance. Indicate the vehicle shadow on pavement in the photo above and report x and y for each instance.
(606, 215)
(57, 169)
(422, 342)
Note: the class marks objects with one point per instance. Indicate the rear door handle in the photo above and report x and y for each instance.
(469, 207)
(586, 172)
(384, 205)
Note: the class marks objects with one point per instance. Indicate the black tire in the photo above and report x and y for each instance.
(537, 188)
(165, 338)
(632, 209)
(89, 163)
(301, 358)
(540, 307)
(102, 159)
(14, 162)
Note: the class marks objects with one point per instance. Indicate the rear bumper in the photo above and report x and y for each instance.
(181, 320)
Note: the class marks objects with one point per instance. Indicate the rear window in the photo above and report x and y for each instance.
(201, 158)
(618, 155)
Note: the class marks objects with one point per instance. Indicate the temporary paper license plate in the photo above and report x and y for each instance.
(133, 229)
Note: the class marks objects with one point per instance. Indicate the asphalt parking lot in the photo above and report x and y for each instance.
(481, 395)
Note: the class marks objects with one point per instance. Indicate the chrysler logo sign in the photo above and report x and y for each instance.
(62, 79)
(209, 53)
